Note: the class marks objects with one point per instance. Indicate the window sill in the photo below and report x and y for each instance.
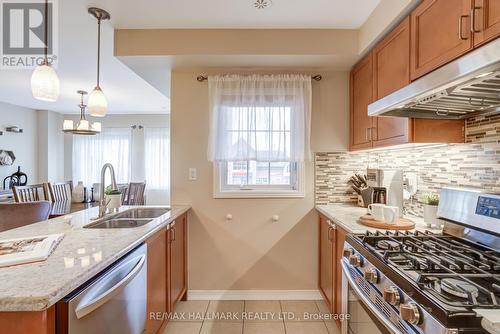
(258, 194)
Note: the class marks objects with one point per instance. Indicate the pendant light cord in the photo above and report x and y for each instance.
(46, 32)
(82, 107)
(98, 50)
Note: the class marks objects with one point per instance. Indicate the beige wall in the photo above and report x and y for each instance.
(250, 252)
(385, 16)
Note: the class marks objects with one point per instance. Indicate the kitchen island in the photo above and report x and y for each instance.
(30, 291)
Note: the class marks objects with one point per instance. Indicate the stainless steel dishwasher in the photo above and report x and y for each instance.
(113, 302)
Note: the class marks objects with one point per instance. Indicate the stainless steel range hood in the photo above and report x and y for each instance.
(460, 89)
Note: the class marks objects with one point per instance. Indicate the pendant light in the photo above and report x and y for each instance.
(83, 127)
(98, 106)
(44, 80)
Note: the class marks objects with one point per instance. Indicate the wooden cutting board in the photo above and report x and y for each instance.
(402, 224)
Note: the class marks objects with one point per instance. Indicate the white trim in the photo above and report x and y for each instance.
(297, 193)
(254, 295)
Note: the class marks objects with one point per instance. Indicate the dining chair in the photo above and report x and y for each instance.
(31, 193)
(60, 191)
(13, 215)
(135, 193)
(123, 188)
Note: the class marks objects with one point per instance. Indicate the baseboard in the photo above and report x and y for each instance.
(254, 295)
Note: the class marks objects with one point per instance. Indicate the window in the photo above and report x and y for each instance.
(90, 153)
(156, 157)
(259, 135)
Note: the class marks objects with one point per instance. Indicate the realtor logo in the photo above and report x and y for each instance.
(23, 33)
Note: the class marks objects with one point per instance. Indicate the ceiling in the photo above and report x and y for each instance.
(126, 92)
(143, 85)
(333, 14)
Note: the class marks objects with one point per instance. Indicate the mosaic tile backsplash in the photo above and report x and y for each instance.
(474, 165)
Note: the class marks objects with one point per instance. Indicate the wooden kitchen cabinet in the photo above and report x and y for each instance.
(331, 249)
(485, 21)
(177, 263)
(361, 81)
(157, 293)
(440, 32)
(391, 71)
(326, 252)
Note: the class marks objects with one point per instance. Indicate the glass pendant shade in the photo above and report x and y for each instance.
(83, 125)
(45, 83)
(97, 104)
(68, 124)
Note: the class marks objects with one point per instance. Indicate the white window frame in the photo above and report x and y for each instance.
(223, 190)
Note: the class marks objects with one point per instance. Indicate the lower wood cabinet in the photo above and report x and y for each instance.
(167, 272)
(177, 263)
(331, 248)
(157, 295)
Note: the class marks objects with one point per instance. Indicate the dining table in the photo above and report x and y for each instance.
(62, 208)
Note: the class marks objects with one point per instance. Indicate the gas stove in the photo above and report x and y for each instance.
(421, 282)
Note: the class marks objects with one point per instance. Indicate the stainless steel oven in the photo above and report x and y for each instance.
(113, 302)
(363, 317)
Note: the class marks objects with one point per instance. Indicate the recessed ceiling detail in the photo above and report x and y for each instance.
(263, 4)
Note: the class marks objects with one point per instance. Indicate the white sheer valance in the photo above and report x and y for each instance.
(260, 117)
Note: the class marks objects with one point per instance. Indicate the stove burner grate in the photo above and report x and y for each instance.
(459, 288)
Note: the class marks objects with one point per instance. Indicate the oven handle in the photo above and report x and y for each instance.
(83, 310)
(393, 329)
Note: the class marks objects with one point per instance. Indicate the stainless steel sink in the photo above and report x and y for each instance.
(130, 218)
(143, 213)
(119, 223)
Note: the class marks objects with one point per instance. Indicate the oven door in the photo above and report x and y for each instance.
(364, 316)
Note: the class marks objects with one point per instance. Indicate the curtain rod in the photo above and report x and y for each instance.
(202, 78)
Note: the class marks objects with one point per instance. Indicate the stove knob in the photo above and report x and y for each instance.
(356, 260)
(392, 295)
(410, 312)
(348, 252)
(372, 276)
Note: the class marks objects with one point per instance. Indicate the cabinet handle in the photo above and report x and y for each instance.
(173, 234)
(460, 28)
(473, 20)
(328, 236)
(366, 134)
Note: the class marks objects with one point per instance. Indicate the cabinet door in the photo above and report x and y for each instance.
(360, 97)
(440, 33)
(177, 263)
(391, 71)
(486, 20)
(326, 261)
(157, 295)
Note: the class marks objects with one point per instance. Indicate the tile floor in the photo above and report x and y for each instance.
(250, 317)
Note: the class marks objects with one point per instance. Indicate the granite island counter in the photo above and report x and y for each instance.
(82, 254)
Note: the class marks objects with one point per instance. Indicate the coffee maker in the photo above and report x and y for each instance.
(387, 185)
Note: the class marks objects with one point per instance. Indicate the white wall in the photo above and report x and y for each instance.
(137, 151)
(50, 146)
(23, 144)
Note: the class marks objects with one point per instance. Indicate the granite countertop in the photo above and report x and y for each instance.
(81, 255)
(346, 216)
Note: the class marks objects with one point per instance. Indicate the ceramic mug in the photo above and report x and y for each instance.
(391, 214)
(377, 211)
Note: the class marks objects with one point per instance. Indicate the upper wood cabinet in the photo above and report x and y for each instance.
(391, 71)
(177, 260)
(485, 20)
(361, 90)
(440, 32)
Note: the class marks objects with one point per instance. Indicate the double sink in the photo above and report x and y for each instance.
(129, 219)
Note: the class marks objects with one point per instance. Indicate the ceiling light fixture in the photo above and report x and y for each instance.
(263, 4)
(98, 106)
(83, 127)
(44, 80)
